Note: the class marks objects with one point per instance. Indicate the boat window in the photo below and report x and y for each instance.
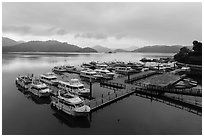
(66, 95)
(28, 82)
(66, 103)
(81, 87)
(66, 86)
(74, 87)
(62, 85)
(34, 88)
(79, 105)
(53, 78)
(42, 88)
(61, 101)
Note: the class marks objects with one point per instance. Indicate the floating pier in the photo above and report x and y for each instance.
(128, 89)
(108, 99)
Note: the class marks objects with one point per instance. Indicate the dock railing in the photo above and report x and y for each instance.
(112, 84)
(160, 89)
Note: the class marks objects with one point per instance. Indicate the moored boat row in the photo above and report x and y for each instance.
(68, 98)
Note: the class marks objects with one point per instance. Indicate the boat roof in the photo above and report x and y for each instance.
(89, 71)
(64, 82)
(48, 75)
(102, 65)
(75, 83)
(102, 70)
(25, 78)
(39, 85)
(72, 82)
(74, 100)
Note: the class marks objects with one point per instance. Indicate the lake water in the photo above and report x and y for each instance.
(24, 114)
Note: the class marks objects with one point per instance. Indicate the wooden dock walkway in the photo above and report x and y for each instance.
(128, 89)
(108, 99)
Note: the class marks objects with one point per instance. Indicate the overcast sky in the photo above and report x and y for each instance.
(113, 25)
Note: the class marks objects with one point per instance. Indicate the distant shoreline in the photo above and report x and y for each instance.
(65, 53)
(49, 53)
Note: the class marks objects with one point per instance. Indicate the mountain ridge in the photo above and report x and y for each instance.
(159, 49)
(100, 48)
(45, 46)
(8, 42)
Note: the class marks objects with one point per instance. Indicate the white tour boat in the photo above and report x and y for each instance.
(39, 89)
(105, 73)
(75, 87)
(49, 78)
(24, 81)
(70, 104)
(69, 68)
(90, 74)
(59, 69)
(124, 70)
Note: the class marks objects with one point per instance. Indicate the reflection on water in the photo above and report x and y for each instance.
(79, 122)
(23, 113)
(173, 102)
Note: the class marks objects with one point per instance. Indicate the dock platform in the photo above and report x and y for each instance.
(108, 99)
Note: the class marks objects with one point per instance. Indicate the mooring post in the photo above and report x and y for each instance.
(90, 82)
(128, 76)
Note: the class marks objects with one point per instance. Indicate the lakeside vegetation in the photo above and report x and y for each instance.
(190, 56)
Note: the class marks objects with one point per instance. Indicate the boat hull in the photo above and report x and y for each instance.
(39, 94)
(67, 110)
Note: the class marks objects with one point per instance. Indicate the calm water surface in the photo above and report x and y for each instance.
(25, 114)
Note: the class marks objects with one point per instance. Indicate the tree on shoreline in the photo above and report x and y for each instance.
(188, 56)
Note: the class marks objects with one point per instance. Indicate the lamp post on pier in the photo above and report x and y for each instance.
(90, 84)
